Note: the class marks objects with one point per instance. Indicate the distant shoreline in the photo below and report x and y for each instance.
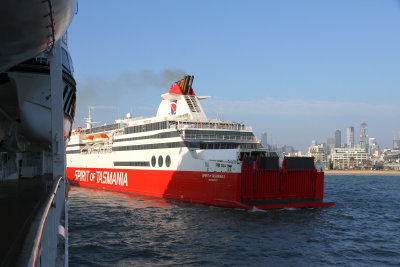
(361, 172)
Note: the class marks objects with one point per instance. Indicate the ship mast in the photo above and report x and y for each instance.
(88, 121)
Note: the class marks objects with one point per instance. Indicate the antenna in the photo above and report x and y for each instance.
(89, 122)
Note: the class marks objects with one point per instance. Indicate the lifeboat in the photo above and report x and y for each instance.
(100, 138)
(88, 139)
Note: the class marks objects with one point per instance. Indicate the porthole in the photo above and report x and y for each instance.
(168, 161)
(160, 161)
(153, 161)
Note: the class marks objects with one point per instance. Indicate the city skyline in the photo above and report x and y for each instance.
(332, 141)
(296, 71)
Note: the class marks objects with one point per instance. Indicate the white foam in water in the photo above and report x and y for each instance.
(255, 209)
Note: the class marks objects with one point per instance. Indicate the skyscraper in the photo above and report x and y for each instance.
(264, 142)
(330, 144)
(338, 138)
(364, 135)
(350, 136)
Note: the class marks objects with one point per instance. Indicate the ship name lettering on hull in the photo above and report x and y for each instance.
(213, 177)
(103, 177)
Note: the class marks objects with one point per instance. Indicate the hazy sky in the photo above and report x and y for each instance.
(294, 69)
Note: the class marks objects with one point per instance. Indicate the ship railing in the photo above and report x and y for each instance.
(207, 125)
(40, 248)
(97, 149)
(220, 137)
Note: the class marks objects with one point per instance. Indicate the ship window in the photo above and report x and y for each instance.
(168, 161)
(71, 66)
(153, 161)
(132, 163)
(160, 161)
(65, 61)
(149, 146)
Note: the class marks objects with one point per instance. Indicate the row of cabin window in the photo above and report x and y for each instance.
(154, 136)
(220, 145)
(104, 128)
(132, 163)
(205, 145)
(149, 146)
(146, 127)
(230, 133)
(210, 124)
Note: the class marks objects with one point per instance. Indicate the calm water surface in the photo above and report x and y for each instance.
(363, 229)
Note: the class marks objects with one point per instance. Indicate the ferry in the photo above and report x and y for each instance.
(182, 154)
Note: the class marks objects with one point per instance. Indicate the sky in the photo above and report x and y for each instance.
(298, 70)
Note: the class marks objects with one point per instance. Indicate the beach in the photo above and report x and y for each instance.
(361, 172)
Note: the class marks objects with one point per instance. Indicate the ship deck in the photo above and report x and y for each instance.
(20, 201)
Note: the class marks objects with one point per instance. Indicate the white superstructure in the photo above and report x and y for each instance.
(180, 137)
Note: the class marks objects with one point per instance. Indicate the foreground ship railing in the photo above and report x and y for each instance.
(45, 236)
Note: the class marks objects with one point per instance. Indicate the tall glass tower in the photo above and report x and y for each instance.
(364, 135)
(264, 142)
(338, 138)
(350, 136)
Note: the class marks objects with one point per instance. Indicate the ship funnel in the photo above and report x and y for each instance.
(186, 85)
(183, 86)
(190, 85)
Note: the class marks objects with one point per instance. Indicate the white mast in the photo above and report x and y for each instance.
(88, 121)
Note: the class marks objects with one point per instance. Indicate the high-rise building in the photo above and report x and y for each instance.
(364, 135)
(350, 136)
(372, 141)
(349, 158)
(372, 145)
(319, 153)
(264, 142)
(330, 144)
(314, 142)
(338, 138)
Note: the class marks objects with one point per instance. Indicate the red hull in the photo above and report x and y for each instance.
(220, 189)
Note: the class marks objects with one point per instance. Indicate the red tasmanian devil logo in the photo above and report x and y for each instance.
(173, 107)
